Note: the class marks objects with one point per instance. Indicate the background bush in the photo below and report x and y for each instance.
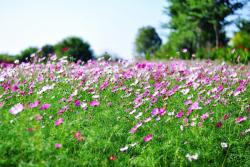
(74, 48)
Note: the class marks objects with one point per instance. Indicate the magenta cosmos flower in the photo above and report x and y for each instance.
(94, 103)
(35, 104)
(45, 106)
(180, 114)
(59, 121)
(16, 109)
(148, 138)
(77, 103)
(240, 119)
(58, 145)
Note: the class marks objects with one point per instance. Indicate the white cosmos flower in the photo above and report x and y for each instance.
(138, 115)
(123, 148)
(192, 157)
(132, 112)
(133, 144)
(16, 109)
(95, 96)
(223, 145)
(171, 113)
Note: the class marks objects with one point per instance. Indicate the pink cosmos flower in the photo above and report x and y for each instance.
(180, 114)
(240, 119)
(194, 106)
(104, 85)
(16, 109)
(38, 117)
(70, 99)
(35, 104)
(134, 129)
(1, 104)
(65, 108)
(188, 102)
(45, 106)
(162, 111)
(204, 116)
(220, 88)
(109, 104)
(148, 138)
(147, 119)
(79, 136)
(94, 103)
(155, 111)
(59, 121)
(58, 145)
(14, 88)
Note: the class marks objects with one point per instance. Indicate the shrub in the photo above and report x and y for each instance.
(25, 55)
(7, 58)
(75, 49)
(233, 55)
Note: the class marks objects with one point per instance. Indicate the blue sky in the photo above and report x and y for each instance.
(108, 25)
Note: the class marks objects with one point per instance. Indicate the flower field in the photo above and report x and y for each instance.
(176, 113)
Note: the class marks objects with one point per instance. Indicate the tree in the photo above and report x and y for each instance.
(147, 41)
(241, 39)
(107, 56)
(47, 50)
(196, 24)
(243, 25)
(74, 48)
(25, 55)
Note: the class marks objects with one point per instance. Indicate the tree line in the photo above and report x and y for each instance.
(74, 48)
(197, 30)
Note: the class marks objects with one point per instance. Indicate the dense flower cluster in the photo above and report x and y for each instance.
(151, 84)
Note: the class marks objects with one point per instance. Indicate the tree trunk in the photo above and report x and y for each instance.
(216, 35)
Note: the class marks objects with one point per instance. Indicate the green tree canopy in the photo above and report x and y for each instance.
(243, 25)
(241, 39)
(196, 24)
(147, 41)
(25, 55)
(47, 50)
(74, 48)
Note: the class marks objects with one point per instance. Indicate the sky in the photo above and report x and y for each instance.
(107, 25)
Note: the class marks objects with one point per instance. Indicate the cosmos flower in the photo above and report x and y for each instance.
(194, 106)
(79, 136)
(240, 119)
(124, 149)
(219, 124)
(204, 116)
(155, 111)
(148, 138)
(38, 117)
(16, 109)
(59, 121)
(94, 103)
(112, 158)
(45, 106)
(35, 104)
(58, 145)
(180, 114)
(162, 111)
(192, 157)
(77, 103)
(223, 145)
